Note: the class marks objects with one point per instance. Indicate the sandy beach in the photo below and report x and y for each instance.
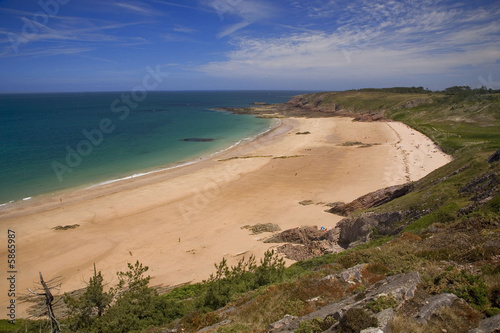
(180, 222)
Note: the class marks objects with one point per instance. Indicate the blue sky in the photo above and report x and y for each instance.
(99, 45)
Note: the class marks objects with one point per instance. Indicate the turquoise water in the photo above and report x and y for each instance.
(51, 142)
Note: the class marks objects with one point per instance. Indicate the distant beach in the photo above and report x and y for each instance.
(181, 221)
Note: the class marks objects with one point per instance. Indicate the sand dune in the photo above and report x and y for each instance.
(180, 222)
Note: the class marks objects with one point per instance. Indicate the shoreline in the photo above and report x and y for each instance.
(181, 221)
(43, 198)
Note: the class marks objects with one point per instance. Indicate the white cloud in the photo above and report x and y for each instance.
(248, 11)
(179, 28)
(137, 7)
(383, 40)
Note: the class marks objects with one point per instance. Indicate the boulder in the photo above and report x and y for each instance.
(488, 325)
(371, 330)
(262, 227)
(350, 275)
(384, 317)
(302, 235)
(434, 304)
(310, 242)
(357, 228)
(280, 323)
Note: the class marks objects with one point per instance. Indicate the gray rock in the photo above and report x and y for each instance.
(311, 242)
(209, 328)
(401, 286)
(352, 275)
(434, 304)
(371, 330)
(488, 325)
(384, 317)
(280, 323)
(355, 228)
(303, 235)
(262, 227)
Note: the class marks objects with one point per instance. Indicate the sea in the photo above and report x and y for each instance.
(56, 141)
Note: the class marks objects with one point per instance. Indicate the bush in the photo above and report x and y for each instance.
(355, 320)
(90, 306)
(245, 276)
(470, 287)
(381, 303)
(137, 306)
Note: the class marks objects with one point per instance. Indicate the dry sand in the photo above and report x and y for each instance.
(181, 221)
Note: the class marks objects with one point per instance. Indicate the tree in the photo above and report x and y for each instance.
(136, 304)
(90, 306)
(46, 293)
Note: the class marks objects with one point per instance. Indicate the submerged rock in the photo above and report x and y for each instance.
(198, 139)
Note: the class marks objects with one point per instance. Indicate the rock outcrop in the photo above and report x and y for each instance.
(402, 287)
(311, 105)
(415, 102)
(488, 325)
(495, 157)
(262, 227)
(433, 304)
(306, 242)
(373, 199)
(359, 228)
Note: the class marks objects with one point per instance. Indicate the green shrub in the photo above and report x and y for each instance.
(7, 326)
(315, 325)
(381, 303)
(90, 306)
(492, 312)
(185, 292)
(355, 320)
(137, 306)
(495, 296)
(470, 287)
(227, 282)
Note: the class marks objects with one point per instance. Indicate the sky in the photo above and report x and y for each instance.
(120, 45)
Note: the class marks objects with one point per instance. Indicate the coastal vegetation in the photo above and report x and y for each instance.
(448, 234)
